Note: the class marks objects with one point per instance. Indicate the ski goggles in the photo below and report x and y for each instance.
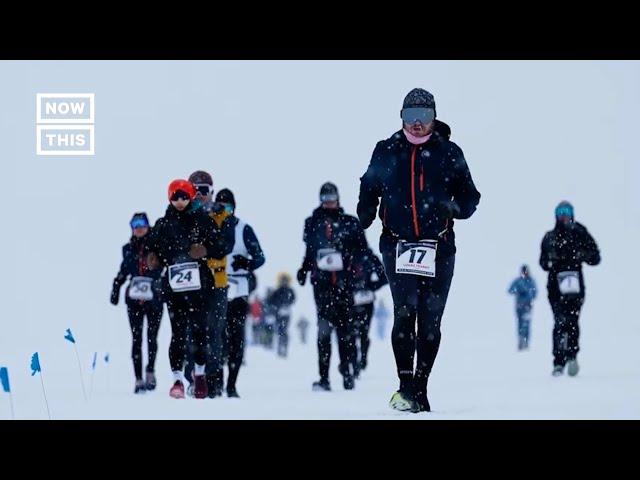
(329, 197)
(564, 211)
(418, 114)
(139, 223)
(203, 189)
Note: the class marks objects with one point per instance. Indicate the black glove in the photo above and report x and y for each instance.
(240, 263)
(448, 208)
(115, 294)
(302, 277)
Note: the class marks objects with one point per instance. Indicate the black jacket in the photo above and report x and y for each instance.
(564, 249)
(332, 228)
(134, 264)
(367, 271)
(282, 297)
(412, 182)
(172, 236)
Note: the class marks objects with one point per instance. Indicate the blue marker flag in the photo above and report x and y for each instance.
(4, 379)
(69, 336)
(93, 365)
(35, 364)
(106, 358)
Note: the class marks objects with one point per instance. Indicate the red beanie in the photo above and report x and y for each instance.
(184, 186)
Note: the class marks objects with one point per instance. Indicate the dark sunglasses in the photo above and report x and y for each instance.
(180, 195)
(203, 189)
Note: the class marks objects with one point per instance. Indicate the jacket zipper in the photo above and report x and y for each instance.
(416, 228)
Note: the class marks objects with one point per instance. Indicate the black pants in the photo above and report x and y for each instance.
(566, 332)
(216, 319)
(188, 313)
(422, 299)
(137, 312)
(362, 323)
(282, 329)
(234, 337)
(334, 312)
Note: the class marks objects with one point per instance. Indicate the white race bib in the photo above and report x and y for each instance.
(140, 288)
(363, 297)
(329, 260)
(270, 320)
(184, 277)
(285, 312)
(569, 283)
(417, 258)
(238, 287)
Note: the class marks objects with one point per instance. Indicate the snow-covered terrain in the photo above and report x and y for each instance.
(533, 133)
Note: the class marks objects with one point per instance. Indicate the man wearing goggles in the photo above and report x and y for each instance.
(217, 296)
(563, 251)
(422, 182)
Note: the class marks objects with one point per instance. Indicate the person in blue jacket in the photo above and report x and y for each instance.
(524, 289)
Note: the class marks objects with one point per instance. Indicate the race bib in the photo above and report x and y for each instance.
(285, 312)
(417, 258)
(184, 277)
(238, 287)
(270, 320)
(569, 283)
(363, 297)
(141, 288)
(329, 260)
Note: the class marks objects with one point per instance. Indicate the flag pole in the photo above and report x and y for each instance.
(13, 414)
(45, 395)
(80, 368)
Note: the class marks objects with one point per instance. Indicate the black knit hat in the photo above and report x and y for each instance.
(226, 196)
(329, 193)
(419, 98)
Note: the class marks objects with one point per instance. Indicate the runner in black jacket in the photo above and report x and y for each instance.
(182, 241)
(422, 183)
(332, 238)
(368, 276)
(563, 251)
(142, 298)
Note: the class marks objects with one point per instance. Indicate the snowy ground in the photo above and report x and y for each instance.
(474, 378)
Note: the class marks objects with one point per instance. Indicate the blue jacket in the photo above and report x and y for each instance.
(524, 289)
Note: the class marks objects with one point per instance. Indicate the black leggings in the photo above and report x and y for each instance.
(216, 312)
(188, 315)
(137, 312)
(420, 298)
(233, 338)
(333, 308)
(566, 331)
(282, 325)
(362, 323)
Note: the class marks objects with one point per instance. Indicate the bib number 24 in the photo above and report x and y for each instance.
(184, 277)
